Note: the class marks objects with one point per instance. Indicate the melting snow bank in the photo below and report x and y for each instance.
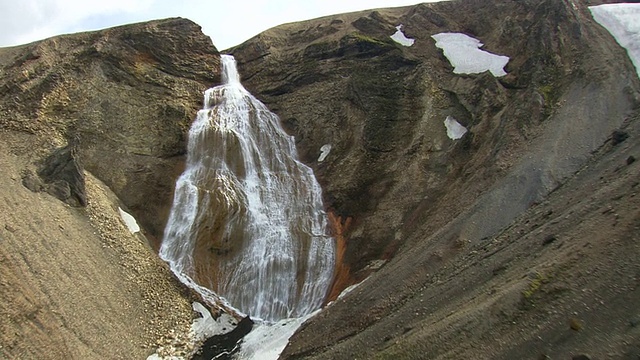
(400, 38)
(266, 341)
(206, 326)
(623, 22)
(464, 54)
(202, 328)
(454, 129)
(129, 220)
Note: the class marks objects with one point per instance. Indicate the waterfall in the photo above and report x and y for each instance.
(247, 220)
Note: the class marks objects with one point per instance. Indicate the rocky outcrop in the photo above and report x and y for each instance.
(414, 197)
(63, 173)
(127, 94)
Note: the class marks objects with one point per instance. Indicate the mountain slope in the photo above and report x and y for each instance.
(399, 190)
(83, 116)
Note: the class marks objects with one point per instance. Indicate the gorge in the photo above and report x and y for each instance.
(517, 238)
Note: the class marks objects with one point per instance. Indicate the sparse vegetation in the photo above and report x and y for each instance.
(534, 286)
(547, 92)
(364, 38)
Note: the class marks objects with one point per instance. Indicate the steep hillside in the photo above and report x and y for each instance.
(491, 244)
(81, 117)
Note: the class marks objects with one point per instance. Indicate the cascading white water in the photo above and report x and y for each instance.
(247, 219)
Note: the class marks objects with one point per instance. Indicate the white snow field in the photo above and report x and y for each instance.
(464, 54)
(623, 22)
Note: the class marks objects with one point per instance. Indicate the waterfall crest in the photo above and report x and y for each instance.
(247, 220)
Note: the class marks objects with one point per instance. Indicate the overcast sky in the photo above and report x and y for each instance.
(228, 22)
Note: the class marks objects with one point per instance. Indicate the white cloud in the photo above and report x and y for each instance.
(29, 20)
(228, 22)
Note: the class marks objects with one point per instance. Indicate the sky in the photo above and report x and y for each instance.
(227, 22)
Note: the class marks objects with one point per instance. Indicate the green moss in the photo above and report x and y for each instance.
(547, 92)
(364, 38)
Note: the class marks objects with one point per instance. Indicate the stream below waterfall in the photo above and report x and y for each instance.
(247, 221)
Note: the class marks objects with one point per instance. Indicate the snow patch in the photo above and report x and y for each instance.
(202, 328)
(129, 220)
(348, 290)
(206, 326)
(267, 340)
(623, 22)
(324, 151)
(400, 38)
(454, 129)
(464, 54)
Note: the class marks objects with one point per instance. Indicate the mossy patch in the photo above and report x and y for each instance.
(368, 39)
(547, 92)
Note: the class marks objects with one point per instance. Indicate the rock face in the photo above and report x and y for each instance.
(77, 112)
(127, 94)
(440, 211)
(64, 174)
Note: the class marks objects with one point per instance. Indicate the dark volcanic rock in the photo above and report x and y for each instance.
(224, 346)
(618, 136)
(63, 173)
(128, 94)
